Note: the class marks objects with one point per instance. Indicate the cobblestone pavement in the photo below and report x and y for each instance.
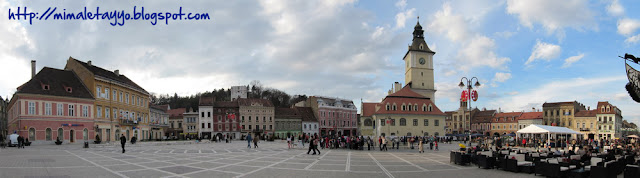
(271, 159)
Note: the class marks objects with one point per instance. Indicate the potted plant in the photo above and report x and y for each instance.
(58, 142)
(97, 141)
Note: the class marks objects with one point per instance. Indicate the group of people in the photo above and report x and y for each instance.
(255, 141)
(21, 142)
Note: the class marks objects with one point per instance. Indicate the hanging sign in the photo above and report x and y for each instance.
(474, 95)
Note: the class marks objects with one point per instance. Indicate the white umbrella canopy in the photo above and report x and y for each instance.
(633, 136)
(539, 129)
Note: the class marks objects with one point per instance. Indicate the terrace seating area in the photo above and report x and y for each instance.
(555, 163)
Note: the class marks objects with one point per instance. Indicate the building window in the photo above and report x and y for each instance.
(208, 125)
(114, 96)
(404, 107)
(59, 109)
(106, 93)
(591, 125)
(60, 134)
(98, 111)
(270, 127)
(388, 106)
(415, 107)
(32, 108)
(71, 110)
(394, 107)
(202, 125)
(107, 113)
(47, 108)
(393, 122)
(382, 122)
(208, 114)
(403, 122)
(48, 134)
(426, 122)
(85, 111)
(430, 108)
(85, 132)
(437, 122)
(126, 97)
(415, 122)
(99, 92)
(32, 134)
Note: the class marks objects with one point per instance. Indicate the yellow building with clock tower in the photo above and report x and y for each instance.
(419, 65)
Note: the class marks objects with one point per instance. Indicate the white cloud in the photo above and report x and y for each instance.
(615, 8)
(401, 17)
(475, 50)
(557, 91)
(501, 77)
(633, 39)
(553, 15)
(571, 60)
(628, 26)
(401, 4)
(452, 25)
(544, 51)
(513, 93)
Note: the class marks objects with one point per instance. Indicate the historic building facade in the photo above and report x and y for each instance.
(288, 122)
(54, 104)
(529, 118)
(561, 113)
(121, 106)
(418, 60)
(505, 123)
(310, 124)
(335, 116)
(586, 123)
(226, 119)
(190, 122)
(3, 116)
(159, 122)
(205, 118)
(257, 116)
(481, 121)
(405, 113)
(609, 121)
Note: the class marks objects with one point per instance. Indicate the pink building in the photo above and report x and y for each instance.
(335, 116)
(53, 104)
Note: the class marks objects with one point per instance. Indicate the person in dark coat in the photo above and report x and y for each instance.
(123, 140)
(20, 142)
(311, 147)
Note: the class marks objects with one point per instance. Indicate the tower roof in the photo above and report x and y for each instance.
(418, 43)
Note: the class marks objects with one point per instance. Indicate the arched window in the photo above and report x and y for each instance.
(48, 134)
(367, 122)
(388, 107)
(404, 107)
(424, 108)
(415, 107)
(60, 134)
(403, 122)
(85, 134)
(32, 134)
(430, 108)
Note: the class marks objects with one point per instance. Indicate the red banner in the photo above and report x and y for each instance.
(464, 96)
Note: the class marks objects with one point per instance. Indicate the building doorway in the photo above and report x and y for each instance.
(71, 136)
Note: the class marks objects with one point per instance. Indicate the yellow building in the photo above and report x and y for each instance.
(419, 74)
(121, 106)
(561, 114)
(586, 123)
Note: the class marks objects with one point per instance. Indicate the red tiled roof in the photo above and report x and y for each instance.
(249, 101)
(307, 114)
(530, 115)
(605, 103)
(399, 100)
(368, 109)
(586, 113)
(505, 117)
(58, 82)
(406, 92)
(176, 112)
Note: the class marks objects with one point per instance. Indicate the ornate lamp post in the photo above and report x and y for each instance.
(468, 96)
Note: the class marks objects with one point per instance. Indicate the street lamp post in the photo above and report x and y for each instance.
(468, 97)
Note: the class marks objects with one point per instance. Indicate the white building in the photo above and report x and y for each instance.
(609, 121)
(238, 92)
(205, 118)
(309, 121)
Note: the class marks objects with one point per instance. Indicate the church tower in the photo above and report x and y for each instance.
(419, 65)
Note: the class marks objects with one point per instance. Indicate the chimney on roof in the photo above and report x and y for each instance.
(117, 72)
(33, 68)
(588, 107)
(397, 87)
(499, 110)
(89, 62)
(533, 109)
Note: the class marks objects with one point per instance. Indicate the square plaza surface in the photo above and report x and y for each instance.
(190, 159)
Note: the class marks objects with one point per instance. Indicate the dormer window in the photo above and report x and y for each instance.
(45, 87)
(68, 89)
(421, 47)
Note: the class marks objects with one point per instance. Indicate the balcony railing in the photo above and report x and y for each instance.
(128, 122)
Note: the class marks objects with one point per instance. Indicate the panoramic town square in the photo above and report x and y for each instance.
(270, 159)
(320, 88)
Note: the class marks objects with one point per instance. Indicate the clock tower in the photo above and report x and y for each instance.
(419, 65)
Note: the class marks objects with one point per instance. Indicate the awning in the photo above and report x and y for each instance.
(539, 129)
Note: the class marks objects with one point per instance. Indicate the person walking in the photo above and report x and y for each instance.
(311, 148)
(249, 141)
(436, 143)
(420, 146)
(20, 142)
(123, 140)
(289, 142)
(384, 144)
(255, 142)
(315, 144)
(380, 142)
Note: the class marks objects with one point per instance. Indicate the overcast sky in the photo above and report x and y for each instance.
(524, 52)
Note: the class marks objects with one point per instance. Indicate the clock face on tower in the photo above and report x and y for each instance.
(421, 61)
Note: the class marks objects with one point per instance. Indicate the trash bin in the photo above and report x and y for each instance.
(86, 144)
